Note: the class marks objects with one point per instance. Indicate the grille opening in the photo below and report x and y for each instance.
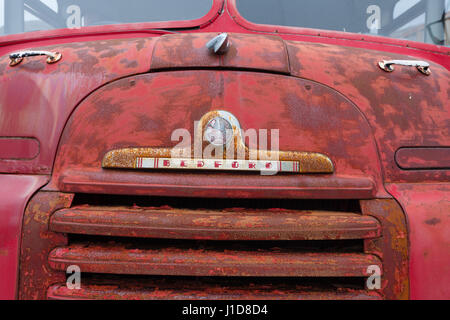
(190, 281)
(325, 284)
(343, 205)
(314, 246)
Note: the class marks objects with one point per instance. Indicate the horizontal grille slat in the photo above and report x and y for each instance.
(275, 262)
(126, 290)
(237, 224)
(231, 185)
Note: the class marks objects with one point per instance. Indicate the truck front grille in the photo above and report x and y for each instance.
(180, 248)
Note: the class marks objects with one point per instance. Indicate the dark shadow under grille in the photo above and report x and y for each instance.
(319, 246)
(341, 205)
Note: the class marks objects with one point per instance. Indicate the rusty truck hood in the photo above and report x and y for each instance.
(323, 98)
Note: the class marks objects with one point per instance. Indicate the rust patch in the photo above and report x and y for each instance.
(253, 51)
(392, 247)
(310, 120)
(85, 66)
(115, 258)
(405, 109)
(196, 290)
(309, 162)
(238, 224)
(37, 241)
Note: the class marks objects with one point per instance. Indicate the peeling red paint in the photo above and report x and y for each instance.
(392, 248)
(308, 120)
(428, 207)
(238, 224)
(170, 261)
(53, 91)
(246, 52)
(35, 274)
(15, 192)
(126, 86)
(164, 290)
(423, 158)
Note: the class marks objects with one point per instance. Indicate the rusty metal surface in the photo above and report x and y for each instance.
(299, 162)
(263, 52)
(310, 118)
(404, 108)
(392, 248)
(37, 241)
(233, 224)
(53, 91)
(199, 185)
(236, 149)
(159, 290)
(387, 100)
(423, 158)
(119, 259)
(15, 192)
(428, 207)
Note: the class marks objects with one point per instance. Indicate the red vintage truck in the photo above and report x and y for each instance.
(224, 149)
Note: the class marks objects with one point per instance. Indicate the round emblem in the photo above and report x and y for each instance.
(218, 131)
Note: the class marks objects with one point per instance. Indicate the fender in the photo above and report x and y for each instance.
(428, 207)
(15, 191)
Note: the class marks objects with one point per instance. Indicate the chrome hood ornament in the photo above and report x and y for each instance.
(218, 130)
(219, 44)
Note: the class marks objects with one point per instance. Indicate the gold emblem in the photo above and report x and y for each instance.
(220, 133)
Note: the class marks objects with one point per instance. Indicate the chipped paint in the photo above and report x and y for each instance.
(330, 98)
(37, 241)
(392, 248)
(215, 225)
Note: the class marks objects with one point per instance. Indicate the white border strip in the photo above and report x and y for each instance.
(217, 164)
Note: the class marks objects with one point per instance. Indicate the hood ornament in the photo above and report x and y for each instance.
(218, 130)
(219, 44)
